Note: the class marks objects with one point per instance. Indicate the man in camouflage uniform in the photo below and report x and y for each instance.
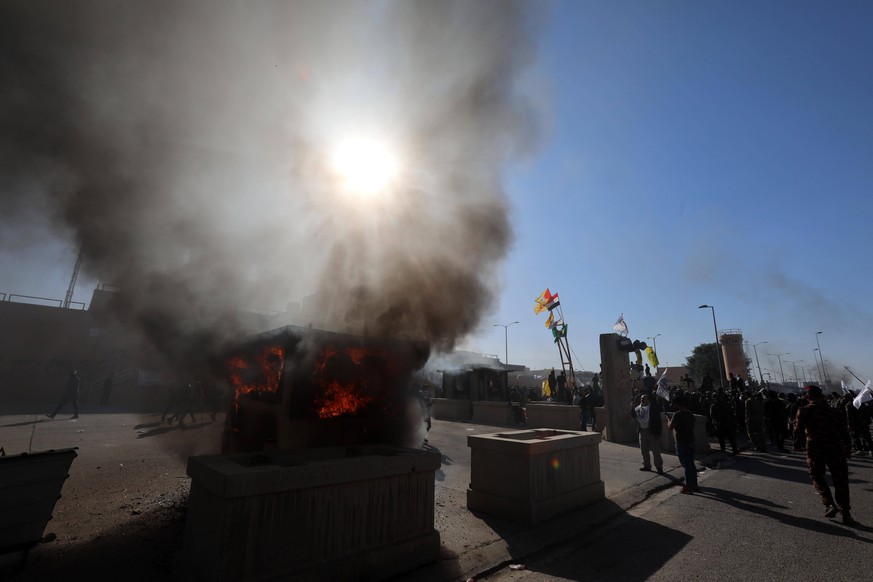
(823, 433)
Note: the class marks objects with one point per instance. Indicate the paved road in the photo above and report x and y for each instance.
(121, 515)
(757, 518)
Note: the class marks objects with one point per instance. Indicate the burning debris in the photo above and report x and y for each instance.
(298, 387)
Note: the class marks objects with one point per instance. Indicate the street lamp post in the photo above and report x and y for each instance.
(781, 372)
(827, 380)
(505, 338)
(794, 364)
(758, 363)
(816, 353)
(717, 354)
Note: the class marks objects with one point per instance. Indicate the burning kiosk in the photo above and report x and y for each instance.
(323, 476)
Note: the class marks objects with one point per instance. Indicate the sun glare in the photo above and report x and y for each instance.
(365, 166)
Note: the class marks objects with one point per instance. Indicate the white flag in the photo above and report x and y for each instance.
(620, 326)
(863, 396)
(662, 387)
(844, 387)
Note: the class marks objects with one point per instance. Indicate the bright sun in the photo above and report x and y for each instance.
(366, 166)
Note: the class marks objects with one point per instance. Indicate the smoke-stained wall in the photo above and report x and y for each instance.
(184, 146)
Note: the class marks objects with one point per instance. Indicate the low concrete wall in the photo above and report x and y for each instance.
(530, 476)
(560, 416)
(448, 409)
(499, 413)
(341, 513)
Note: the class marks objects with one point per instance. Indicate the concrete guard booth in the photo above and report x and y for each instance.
(475, 393)
(530, 476)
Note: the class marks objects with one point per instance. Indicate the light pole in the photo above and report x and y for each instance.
(505, 338)
(817, 357)
(757, 363)
(781, 372)
(794, 364)
(827, 380)
(654, 342)
(717, 354)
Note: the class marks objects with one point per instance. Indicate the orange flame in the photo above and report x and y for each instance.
(270, 362)
(338, 398)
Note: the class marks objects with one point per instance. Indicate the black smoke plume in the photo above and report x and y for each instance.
(184, 146)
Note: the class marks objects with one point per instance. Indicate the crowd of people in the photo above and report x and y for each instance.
(829, 428)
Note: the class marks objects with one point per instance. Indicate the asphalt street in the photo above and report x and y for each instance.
(121, 515)
(757, 518)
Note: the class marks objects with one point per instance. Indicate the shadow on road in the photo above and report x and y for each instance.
(29, 422)
(142, 549)
(762, 507)
(164, 429)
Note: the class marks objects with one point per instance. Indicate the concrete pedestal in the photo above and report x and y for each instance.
(530, 476)
(617, 391)
(338, 513)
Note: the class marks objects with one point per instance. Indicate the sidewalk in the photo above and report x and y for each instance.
(478, 544)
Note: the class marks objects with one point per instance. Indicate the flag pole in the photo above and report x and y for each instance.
(853, 374)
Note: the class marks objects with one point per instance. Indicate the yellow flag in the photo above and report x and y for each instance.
(551, 319)
(653, 357)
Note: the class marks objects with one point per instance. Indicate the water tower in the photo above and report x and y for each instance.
(735, 361)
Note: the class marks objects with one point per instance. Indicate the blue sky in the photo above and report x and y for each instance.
(698, 153)
(689, 153)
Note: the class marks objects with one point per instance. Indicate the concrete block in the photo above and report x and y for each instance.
(335, 513)
(530, 476)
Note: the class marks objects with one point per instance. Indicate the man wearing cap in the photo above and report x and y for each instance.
(823, 433)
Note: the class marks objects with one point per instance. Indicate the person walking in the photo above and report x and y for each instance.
(682, 425)
(822, 433)
(71, 395)
(648, 417)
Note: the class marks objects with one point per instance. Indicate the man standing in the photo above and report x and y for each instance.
(71, 395)
(725, 424)
(682, 425)
(755, 422)
(648, 417)
(822, 431)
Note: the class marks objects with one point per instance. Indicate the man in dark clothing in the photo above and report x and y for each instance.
(755, 422)
(649, 384)
(71, 395)
(725, 424)
(822, 432)
(777, 421)
(682, 425)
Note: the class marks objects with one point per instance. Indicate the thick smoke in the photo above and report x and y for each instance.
(185, 146)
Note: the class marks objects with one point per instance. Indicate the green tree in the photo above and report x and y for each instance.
(704, 360)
